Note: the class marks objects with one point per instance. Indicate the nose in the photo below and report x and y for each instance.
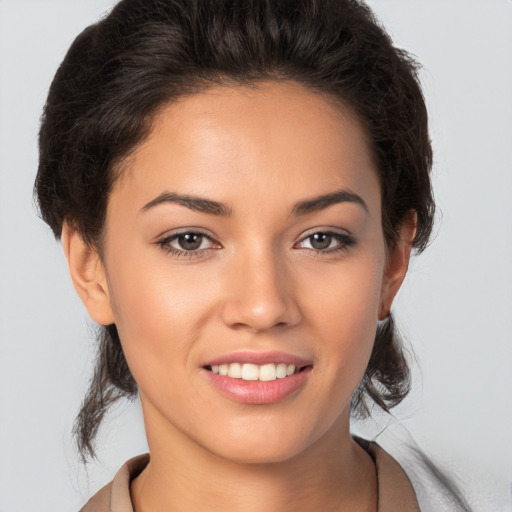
(260, 294)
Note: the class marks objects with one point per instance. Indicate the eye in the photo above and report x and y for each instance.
(326, 241)
(190, 241)
(320, 241)
(187, 243)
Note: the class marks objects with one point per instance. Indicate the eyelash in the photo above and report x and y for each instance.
(344, 242)
(165, 245)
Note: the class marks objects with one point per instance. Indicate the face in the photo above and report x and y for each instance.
(245, 268)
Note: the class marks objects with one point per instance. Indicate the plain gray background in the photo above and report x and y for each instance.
(456, 306)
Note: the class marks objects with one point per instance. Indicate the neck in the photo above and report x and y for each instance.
(332, 474)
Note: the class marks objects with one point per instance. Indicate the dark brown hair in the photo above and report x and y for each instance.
(145, 54)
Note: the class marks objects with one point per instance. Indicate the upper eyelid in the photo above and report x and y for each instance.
(165, 244)
(171, 238)
(345, 239)
(169, 234)
(333, 234)
(327, 230)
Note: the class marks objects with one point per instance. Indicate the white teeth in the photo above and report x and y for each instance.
(268, 372)
(235, 371)
(247, 371)
(281, 370)
(250, 371)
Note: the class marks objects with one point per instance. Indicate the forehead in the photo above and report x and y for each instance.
(260, 138)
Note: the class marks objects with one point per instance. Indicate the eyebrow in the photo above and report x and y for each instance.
(211, 207)
(197, 204)
(321, 202)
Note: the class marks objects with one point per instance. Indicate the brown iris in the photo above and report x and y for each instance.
(190, 241)
(320, 241)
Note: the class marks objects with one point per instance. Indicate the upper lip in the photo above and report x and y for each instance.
(259, 358)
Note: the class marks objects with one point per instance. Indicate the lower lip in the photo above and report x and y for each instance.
(257, 392)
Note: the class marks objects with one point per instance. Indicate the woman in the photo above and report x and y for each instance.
(238, 187)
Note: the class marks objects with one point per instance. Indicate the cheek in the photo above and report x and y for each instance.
(344, 311)
(159, 314)
(346, 296)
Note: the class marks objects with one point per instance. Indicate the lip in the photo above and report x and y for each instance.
(257, 392)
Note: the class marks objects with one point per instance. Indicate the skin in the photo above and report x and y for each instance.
(255, 284)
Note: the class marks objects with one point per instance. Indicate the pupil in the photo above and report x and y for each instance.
(321, 241)
(190, 241)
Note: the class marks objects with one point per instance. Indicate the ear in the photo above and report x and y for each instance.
(399, 255)
(88, 275)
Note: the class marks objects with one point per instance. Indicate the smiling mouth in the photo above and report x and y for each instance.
(253, 372)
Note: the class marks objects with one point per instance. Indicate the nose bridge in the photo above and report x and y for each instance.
(260, 294)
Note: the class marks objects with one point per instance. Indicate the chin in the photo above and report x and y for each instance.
(263, 442)
(259, 453)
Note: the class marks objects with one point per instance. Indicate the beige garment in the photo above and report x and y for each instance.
(395, 489)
